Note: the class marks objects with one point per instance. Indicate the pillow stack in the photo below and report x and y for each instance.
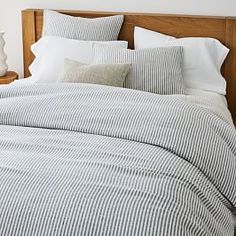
(81, 50)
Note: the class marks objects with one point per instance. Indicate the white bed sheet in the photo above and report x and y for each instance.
(214, 102)
(26, 81)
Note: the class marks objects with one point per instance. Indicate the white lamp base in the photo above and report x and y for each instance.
(3, 72)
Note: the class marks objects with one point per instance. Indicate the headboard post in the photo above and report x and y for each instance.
(221, 28)
(230, 65)
(29, 38)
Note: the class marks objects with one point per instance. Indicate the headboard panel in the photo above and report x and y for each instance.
(222, 28)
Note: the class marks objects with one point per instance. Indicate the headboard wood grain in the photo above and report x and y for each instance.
(222, 28)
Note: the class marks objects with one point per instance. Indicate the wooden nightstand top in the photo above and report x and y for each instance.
(9, 77)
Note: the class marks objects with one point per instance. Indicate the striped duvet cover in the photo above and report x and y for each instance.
(95, 160)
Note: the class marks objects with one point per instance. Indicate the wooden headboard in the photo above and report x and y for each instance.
(222, 28)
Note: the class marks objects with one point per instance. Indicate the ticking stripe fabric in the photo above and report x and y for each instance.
(95, 29)
(157, 70)
(80, 159)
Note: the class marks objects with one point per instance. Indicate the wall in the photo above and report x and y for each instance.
(10, 18)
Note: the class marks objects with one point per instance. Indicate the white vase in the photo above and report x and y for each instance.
(3, 56)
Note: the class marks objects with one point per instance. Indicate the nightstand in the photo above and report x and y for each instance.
(9, 77)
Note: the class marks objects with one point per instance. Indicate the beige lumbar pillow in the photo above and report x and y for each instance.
(104, 74)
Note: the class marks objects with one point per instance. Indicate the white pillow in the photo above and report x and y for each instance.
(51, 51)
(203, 58)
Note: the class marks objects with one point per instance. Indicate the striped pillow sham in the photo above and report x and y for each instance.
(156, 70)
(96, 29)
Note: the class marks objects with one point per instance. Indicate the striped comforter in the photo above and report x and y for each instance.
(95, 160)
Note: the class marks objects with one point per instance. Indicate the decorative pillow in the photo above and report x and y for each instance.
(95, 29)
(51, 51)
(203, 58)
(104, 74)
(156, 70)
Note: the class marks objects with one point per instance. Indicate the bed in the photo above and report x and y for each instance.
(84, 159)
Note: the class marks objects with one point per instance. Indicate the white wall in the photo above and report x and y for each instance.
(10, 18)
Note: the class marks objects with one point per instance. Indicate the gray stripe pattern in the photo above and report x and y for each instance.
(80, 159)
(156, 70)
(95, 29)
